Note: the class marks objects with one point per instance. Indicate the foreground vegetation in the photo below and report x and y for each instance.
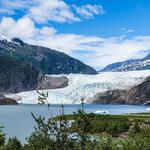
(82, 131)
(88, 131)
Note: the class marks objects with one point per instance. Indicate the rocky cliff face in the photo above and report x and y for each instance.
(111, 97)
(50, 82)
(139, 95)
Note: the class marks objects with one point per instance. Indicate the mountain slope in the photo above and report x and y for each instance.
(46, 60)
(129, 65)
(137, 95)
(16, 76)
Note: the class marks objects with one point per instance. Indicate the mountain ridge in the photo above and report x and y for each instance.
(47, 60)
(129, 65)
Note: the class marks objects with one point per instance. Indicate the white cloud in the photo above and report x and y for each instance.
(96, 51)
(43, 11)
(126, 30)
(52, 10)
(9, 6)
(130, 31)
(23, 28)
(88, 11)
(47, 31)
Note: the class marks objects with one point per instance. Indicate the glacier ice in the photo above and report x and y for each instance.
(85, 86)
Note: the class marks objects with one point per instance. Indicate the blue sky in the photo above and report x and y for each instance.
(98, 32)
(130, 14)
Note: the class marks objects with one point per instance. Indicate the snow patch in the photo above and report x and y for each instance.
(2, 37)
(7, 40)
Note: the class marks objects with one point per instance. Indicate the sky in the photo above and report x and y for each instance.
(97, 32)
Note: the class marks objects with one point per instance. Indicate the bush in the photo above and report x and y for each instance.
(140, 141)
(13, 144)
(38, 141)
(2, 138)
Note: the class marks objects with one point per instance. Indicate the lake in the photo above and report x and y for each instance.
(18, 121)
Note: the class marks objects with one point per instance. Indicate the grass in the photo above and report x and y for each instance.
(114, 125)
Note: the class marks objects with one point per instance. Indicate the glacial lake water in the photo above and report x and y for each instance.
(18, 121)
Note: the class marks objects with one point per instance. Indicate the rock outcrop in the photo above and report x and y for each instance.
(111, 97)
(138, 95)
(7, 101)
(51, 82)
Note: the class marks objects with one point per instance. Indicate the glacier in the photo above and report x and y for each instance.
(85, 86)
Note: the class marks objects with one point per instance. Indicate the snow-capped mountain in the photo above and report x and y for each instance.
(11, 42)
(129, 65)
(86, 86)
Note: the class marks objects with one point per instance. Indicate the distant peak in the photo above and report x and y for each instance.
(15, 40)
(19, 41)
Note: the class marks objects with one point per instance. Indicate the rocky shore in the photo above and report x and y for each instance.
(7, 101)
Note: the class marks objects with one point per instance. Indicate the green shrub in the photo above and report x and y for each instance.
(2, 138)
(13, 144)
